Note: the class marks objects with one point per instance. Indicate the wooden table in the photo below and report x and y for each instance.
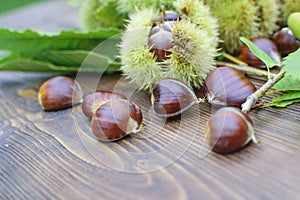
(52, 155)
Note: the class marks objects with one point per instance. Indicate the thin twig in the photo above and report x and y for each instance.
(247, 69)
(253, 98)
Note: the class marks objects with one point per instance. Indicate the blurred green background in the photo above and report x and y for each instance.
(8, 5)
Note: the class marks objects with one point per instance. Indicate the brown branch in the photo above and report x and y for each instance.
(253, 98)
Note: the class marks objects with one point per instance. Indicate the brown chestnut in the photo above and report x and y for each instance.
(167, 15)
(115, 119)
(93, 101)
(264, 44)
(228, 130)
(285, 41)
(171, 97)
(160, 43)
(59, 93)
(160, 36)
(225, 86)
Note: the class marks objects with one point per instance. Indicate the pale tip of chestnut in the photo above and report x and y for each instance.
(229, 130)
(115, 119)
(170, 98)
(59, 93)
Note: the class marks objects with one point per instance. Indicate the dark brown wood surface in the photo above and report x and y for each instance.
(52, 155)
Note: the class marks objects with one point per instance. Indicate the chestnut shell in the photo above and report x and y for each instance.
(115, 119)
(225, 86)
(171, 97)
(229, 130)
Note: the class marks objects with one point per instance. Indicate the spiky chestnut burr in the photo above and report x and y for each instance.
(129, 6)
(246, 18)
(193, 39)
(269, 13)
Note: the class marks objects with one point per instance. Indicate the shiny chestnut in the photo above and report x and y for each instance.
(59, 93)
(115, 119)
(160, 36)
(264, 44)
(228, 130)
(225, 86)
(171, 97)
(165, 16)
(285, 41)
(93, 101)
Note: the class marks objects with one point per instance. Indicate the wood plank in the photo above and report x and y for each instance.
(52, 155)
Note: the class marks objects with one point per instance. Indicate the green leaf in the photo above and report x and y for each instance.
(291, 80)
(87, 61)
(4, 54)
(263, 56)
(286, 99)
(288, 82)
(286, 103)
(29, 65)
(287, 96)
(30, 44)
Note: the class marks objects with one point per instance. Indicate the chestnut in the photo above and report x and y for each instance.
(171, 97)
(225, 86)
(59, 93)
(264, 44)
(285, 41)
(93, 101)
(167, 15)
(160, 36)
(115, 119)
(228, 130)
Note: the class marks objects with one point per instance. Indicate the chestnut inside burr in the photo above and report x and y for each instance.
(160, 36)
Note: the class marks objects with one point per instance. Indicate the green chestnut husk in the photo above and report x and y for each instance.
(100, 13)
(195, 46)
(96, 14)
(245, 18)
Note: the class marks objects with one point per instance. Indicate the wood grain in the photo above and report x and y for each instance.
(52, 155)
